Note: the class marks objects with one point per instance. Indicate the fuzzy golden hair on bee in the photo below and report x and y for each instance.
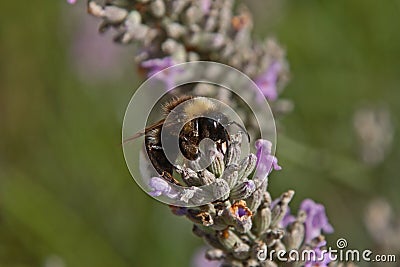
(198, 107)
(193, 107)
(176, 101)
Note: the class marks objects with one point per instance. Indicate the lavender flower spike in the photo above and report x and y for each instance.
(265, 161)
(161, 187)
(242, 221)
(316, 220)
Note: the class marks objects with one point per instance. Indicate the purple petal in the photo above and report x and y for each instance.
(161, 187)
(159, 184)
(157, 64)
(266, 82)
(265, 161)
(275, 164)
(155, 193)
(316, 221)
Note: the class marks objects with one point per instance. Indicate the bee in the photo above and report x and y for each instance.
(203, 120)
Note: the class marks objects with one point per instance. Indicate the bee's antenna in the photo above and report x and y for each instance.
(241, 127)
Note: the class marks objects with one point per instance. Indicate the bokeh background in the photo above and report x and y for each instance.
(66, 197)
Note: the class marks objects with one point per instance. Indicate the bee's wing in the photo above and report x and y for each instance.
(156, 125)
(139, 134)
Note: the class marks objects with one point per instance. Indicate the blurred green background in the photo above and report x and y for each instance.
(66, 197)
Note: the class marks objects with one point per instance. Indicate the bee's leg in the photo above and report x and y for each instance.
(167, 176)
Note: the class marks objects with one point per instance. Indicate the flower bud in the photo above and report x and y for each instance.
(280, 209)
(230, 175)
(246, 166)
(174, 29)
(294, 236)
(215, 254)
(241, 251)
(206, 177)
(192, 15)
(229, 240)
(208, 235)
(205, 41)
(234, 150)
(243, 190)
(95, 9)
(221, 189)
(217, 166)
(272, 236)
(262, 220)
(157, 8)
(254, 201)
(113, 14)
(199, 217)
(189, 176)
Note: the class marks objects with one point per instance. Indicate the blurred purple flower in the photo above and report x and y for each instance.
(265, 161)
(267, 81)
(161, 187)
(71, 2)
(200, 260)
(153, 66)
(316, 220)
(319, 259)
(157, 64)
(93, 57)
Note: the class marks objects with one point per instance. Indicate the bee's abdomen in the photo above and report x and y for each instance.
(156, 153)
